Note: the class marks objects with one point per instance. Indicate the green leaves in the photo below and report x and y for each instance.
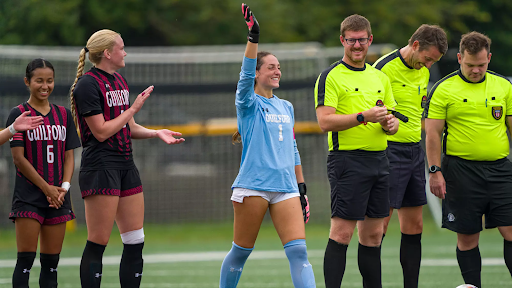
(209, 22)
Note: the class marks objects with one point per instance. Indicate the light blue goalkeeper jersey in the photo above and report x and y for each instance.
(269, 152)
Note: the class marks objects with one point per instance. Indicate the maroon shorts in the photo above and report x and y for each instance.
(45, 216)
(120, 183)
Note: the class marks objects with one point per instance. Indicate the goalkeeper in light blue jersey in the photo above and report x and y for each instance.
(270, 175)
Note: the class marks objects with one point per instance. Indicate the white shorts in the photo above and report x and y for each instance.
(271, 197)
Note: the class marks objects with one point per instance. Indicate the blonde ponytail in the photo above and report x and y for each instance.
(97, 43)
(79, 73)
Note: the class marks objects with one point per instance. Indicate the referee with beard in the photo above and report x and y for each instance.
(351, 100)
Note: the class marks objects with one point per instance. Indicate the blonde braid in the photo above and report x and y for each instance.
(79, 73)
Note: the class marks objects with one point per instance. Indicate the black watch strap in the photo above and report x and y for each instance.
(434, 169)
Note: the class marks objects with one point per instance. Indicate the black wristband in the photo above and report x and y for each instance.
(302, 188)
(253, 37)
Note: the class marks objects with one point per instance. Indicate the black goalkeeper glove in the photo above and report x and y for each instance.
(304, 201)
(252, 23)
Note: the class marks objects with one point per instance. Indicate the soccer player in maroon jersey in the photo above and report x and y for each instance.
(109, 181)
(44, 163)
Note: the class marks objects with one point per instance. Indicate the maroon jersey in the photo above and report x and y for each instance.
(45, 149)
(98, 92)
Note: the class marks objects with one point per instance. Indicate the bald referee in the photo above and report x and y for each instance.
(351, 100)
(471, 110)
(408, 71)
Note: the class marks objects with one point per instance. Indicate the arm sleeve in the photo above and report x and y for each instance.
(509, 99)
(326, 92)
(436, 104)
(297, 154)
(72, 140)
(245, 96)
(18, 139)
(87, 96)
(389, 99)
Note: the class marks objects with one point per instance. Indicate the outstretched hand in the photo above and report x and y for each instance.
(25, 122)
(141, 98)
(252, 24)
(168, 136)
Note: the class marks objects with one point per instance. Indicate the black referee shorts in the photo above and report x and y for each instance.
(359, 184)
(476, 188)
(406, 175)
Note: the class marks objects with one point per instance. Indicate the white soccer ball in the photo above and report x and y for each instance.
(466, 286)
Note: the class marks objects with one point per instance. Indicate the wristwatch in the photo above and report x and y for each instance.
(434, 169)
(360, 118)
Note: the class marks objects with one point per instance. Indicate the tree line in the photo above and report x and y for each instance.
(216, 22)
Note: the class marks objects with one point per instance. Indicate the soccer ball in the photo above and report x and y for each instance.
(466, 286)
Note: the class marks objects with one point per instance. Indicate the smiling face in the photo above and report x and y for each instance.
(473, 67)
(355, 55)
(116, 54)
(269, 74)
(41, 83)
(424, 58)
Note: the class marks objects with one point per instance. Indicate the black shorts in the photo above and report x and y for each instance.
(120, 183)
(475, 188)
(45, 216)
(406, 175)
(359, 184)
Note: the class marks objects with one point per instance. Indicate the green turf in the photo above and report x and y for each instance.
(437, 244)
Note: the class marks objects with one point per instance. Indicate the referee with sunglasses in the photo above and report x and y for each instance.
(351, 100)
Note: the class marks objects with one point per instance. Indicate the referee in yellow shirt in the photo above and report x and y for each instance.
(351, 99)
(408, 71)
(471, 109)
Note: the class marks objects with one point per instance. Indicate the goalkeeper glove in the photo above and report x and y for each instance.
(304, 201)
(252, 23)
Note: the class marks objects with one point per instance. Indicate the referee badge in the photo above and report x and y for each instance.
(497, 112)
(423, 101)
(379, 103)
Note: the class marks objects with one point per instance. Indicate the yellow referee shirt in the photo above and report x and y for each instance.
(475, 115)
(352, 90)
(410, 92)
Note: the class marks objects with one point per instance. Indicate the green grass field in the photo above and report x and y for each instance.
(189, 256)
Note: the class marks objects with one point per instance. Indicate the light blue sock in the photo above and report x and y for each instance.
(300, 268)
(232, 266)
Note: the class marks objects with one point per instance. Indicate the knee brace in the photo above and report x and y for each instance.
(133, 237)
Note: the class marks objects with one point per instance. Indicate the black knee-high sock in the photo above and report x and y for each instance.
(91, 265)
(368, 259)
(48, 275)
(410, 258)
(380, 247)
(22, 270)
(507, 254)
(130, 271)
(335, 259)
(470, 264)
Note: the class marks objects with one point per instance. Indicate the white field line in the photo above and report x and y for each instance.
(219, 256)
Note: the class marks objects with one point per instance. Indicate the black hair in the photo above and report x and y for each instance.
(37, 63)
